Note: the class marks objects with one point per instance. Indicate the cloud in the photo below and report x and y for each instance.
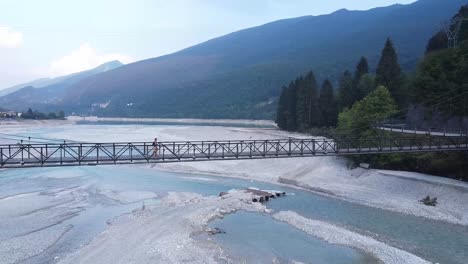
(9, 38)
(83, 58)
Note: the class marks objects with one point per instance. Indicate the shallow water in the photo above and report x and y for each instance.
(255, 238)
(431, 240)
(435, 241)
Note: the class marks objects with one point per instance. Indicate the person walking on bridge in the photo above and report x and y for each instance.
(155, 147)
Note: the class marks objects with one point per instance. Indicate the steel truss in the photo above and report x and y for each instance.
(77, 154)
(452, 29)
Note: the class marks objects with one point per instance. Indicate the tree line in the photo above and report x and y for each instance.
(303, 104)
(438, 87)
(30, 114)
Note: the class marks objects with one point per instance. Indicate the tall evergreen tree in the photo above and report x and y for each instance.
(291, 114)
(302, 104)
(307, 112)
(361, 69)
(346, 91)
(438, 42)
(314, 112)
(328, 105)
(389, 73)
(282, 108)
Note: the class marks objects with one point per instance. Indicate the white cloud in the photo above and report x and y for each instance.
(9, 38)
(84, 58)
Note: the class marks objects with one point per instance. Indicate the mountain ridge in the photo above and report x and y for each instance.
(52, 92)
(240, 74)
(47, 81)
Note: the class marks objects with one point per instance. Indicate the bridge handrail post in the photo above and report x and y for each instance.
(209, 150)
(80, 153)
(194, 151)
(302, 147)
(42, 156)
(290, 142)
(1, 157)
(61, 153)
(313, 147)
(97, 152)
(277, 147)
(130, 148)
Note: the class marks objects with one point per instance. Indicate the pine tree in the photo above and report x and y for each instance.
(362, 68)
(346, 91)
(389, 73)
(282, 108)
(313, 108)
(438, 42)
(302, 105)
(327, 105)
(291, 116)
(307, 112)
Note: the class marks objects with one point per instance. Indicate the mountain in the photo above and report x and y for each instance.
(239, 75)
(47, 94)
(36, 83)
(43, 82)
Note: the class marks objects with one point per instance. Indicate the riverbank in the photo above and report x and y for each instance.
(164, 233)
(188, 214)
(391, 190)
(175, 121)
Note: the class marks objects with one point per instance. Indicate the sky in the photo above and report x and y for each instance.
(50, 38)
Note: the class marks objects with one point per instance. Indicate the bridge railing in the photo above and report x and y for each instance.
(23, 155)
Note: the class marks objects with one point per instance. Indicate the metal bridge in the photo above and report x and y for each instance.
(81, 154)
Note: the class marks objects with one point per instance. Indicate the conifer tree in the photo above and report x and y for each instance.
(281, 111)
(438, 42)
(313, 108)
(327, 105)
(346, 92)
(389, 73)
(362, 68)
(291, 116)
(302, 105)
(307, 111)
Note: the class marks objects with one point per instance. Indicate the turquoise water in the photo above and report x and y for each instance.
(255, 238)
(432, 240)
(90, 222)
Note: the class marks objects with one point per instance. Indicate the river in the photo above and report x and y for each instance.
(69, 207)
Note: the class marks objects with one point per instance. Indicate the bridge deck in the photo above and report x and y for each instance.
(78, 154)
